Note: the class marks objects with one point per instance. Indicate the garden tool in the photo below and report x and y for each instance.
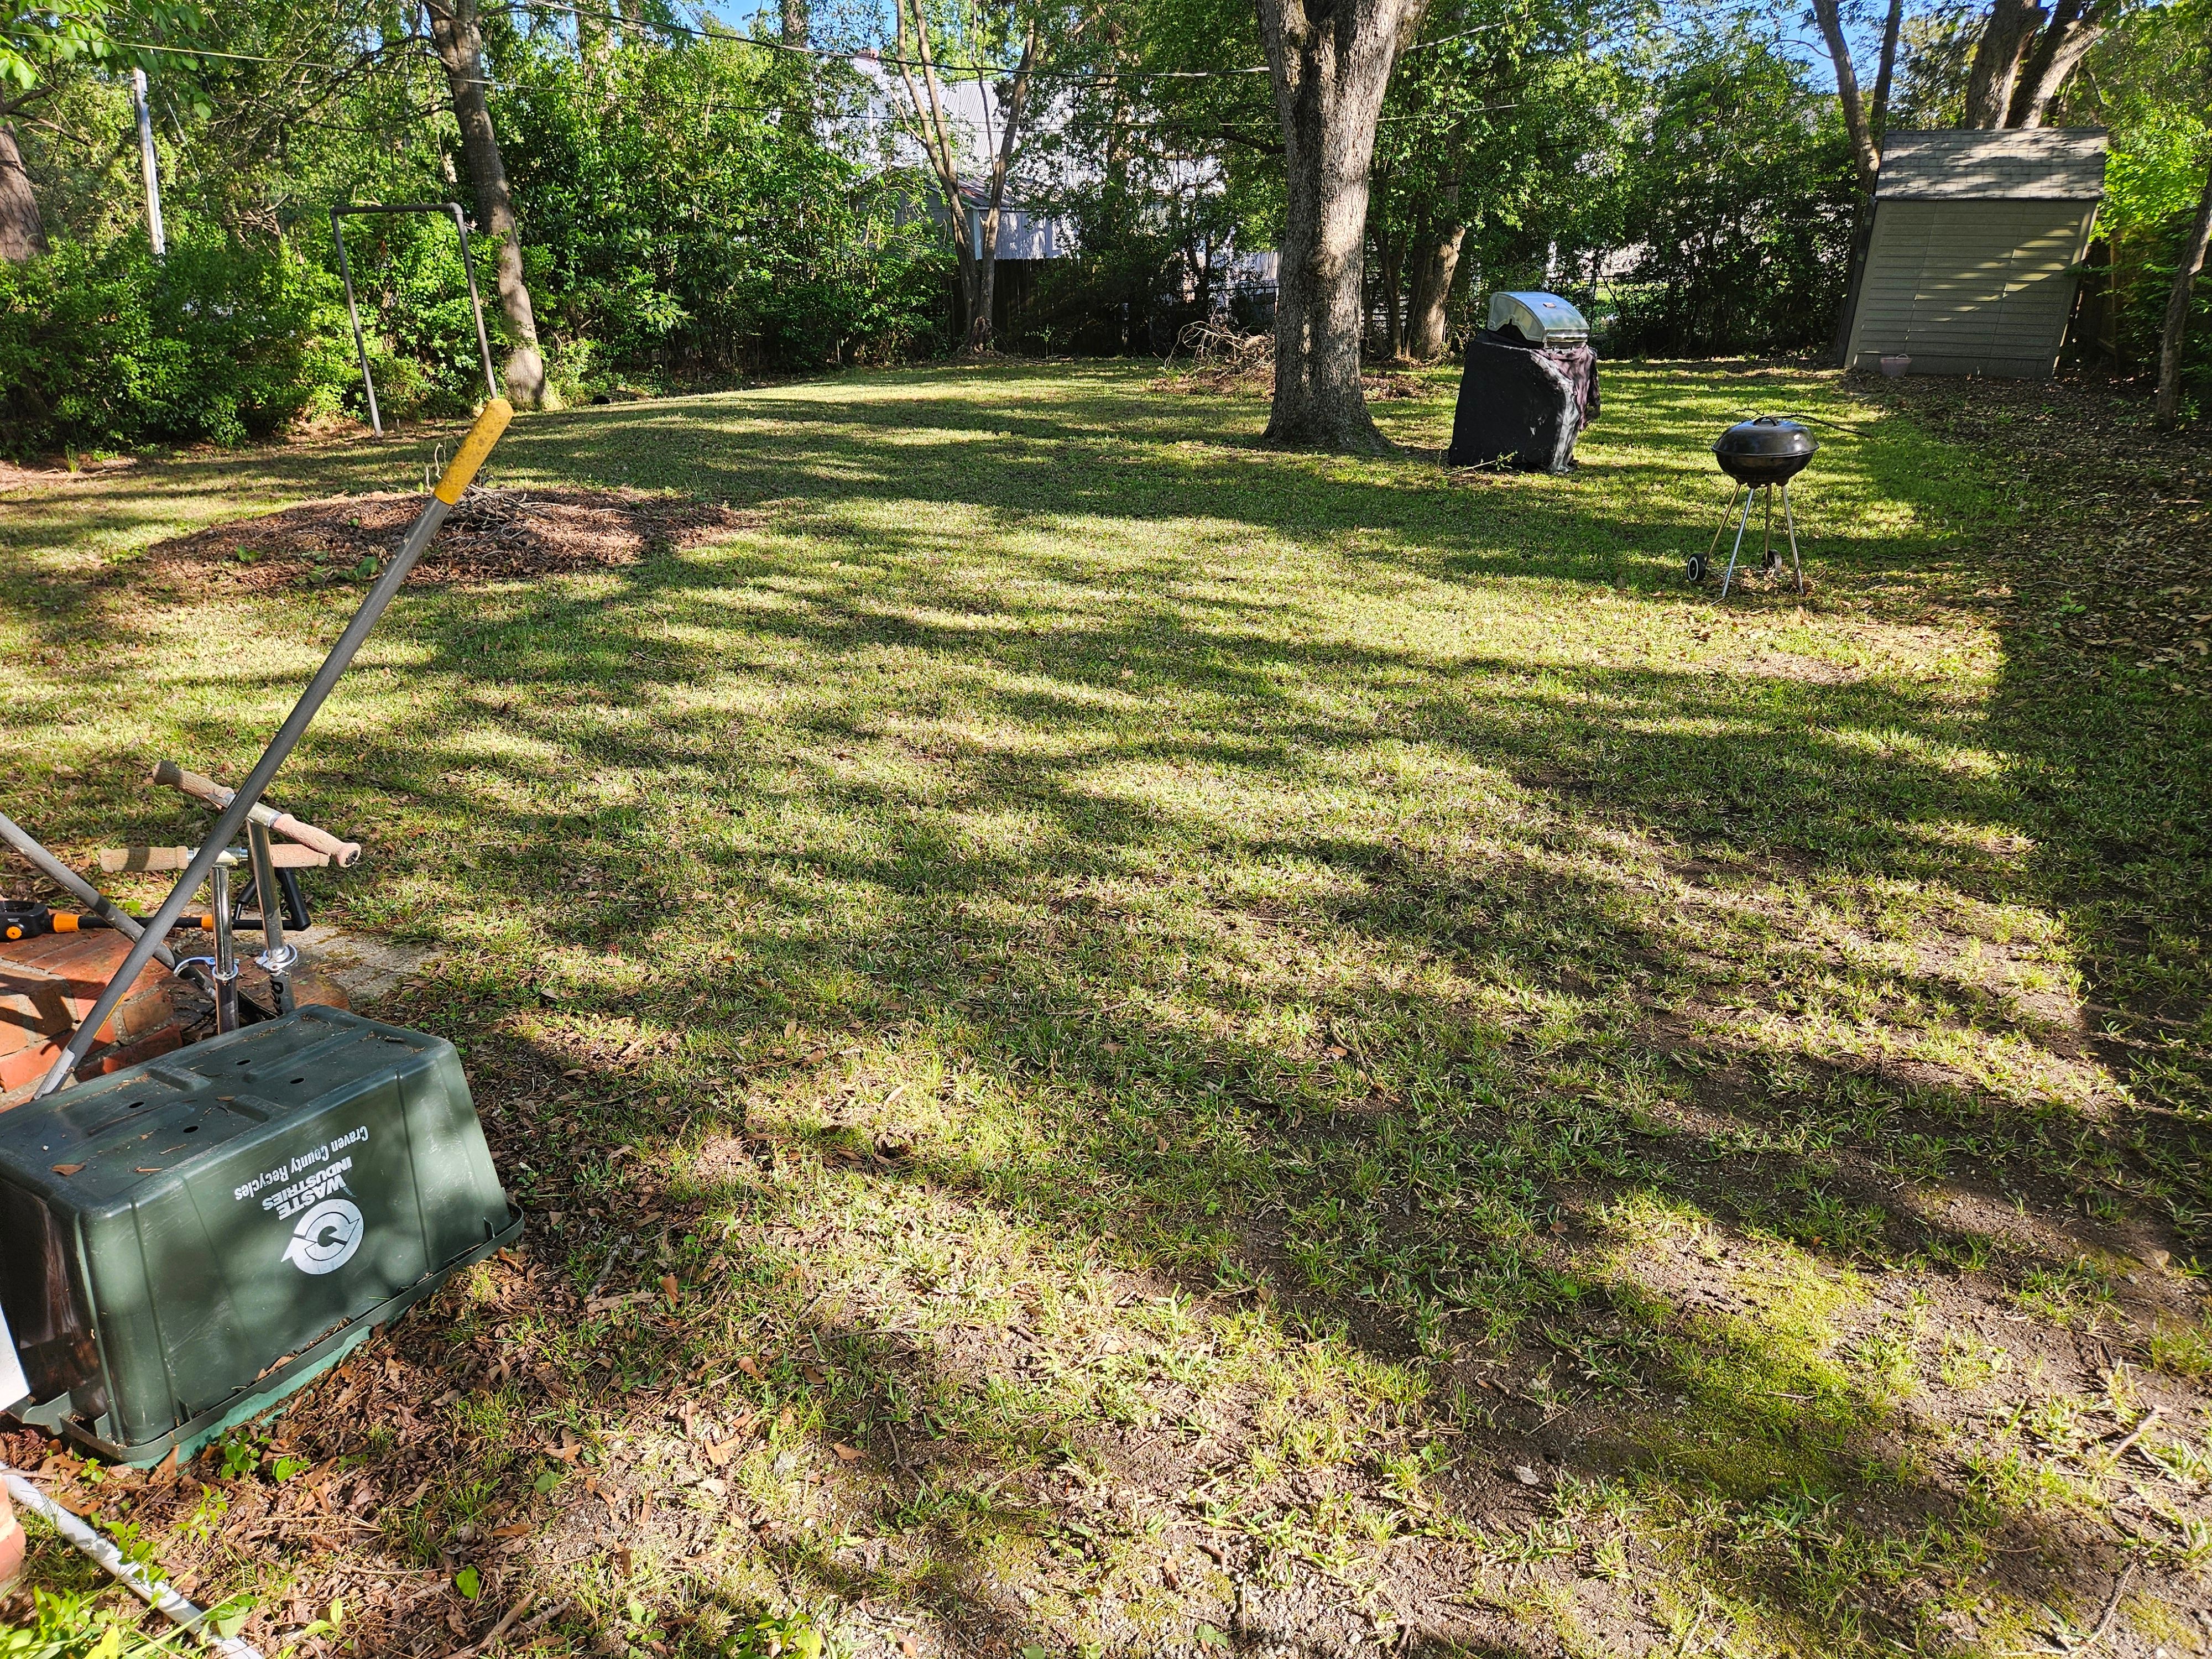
(188, 1240)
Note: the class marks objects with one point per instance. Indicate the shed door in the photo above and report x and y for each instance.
(1970, 288)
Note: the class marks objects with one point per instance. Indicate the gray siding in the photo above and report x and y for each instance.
(1970, 288)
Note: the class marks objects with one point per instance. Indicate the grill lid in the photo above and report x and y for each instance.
(1768, 435)
(1765, 450)
(1539, 319)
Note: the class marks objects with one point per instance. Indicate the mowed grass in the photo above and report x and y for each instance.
(1120, 1042)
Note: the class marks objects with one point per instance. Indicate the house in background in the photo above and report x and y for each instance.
(1036, 228)
(1978, 240)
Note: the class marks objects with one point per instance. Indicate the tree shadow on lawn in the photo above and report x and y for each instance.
(1141, 912)
(860, 442)
(1481, 943)
(1621, 522)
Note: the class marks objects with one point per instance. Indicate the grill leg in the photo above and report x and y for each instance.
(1791, 524)
(1767, 562)
(1728, 574)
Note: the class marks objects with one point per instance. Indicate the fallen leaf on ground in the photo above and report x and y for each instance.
(719, 1452)
(850, 1453)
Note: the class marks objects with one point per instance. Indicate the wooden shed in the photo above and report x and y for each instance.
(1976, 238)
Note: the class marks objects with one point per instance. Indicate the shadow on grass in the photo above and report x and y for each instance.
(1351, 982)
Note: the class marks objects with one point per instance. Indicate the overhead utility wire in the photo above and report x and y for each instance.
(826, 53)
(840, 55)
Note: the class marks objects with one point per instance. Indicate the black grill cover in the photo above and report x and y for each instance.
(1523, 403)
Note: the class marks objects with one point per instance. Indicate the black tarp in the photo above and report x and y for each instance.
(1522, 403)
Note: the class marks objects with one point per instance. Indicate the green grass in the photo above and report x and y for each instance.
(1205, 1012)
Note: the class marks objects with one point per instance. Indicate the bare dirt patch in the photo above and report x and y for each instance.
(492, 535)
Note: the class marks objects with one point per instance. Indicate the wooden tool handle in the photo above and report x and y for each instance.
(344, 854)
(116, 860)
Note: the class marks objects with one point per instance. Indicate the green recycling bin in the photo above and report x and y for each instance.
(184, 1241)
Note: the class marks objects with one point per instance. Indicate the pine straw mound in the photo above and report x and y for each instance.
(491, 535)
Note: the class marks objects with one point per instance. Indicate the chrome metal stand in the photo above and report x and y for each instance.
(277, 959)
(225, 973)
(1769, 558)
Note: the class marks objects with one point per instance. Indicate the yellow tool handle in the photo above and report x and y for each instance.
(474, 447)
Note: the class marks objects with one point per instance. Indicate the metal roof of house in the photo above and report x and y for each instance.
(2060, 164)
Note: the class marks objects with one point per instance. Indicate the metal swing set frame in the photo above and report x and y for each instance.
(448, 209)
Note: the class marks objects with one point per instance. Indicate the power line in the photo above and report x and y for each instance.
(841, 55)
(822, 53)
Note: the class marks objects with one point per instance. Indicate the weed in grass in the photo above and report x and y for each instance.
(2180, 1348)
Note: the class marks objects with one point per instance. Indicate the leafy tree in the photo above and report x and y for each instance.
(37, 39)
(1168, 150)
(1500, 102)
(987, 36)
(682, 221)
(1739, 186)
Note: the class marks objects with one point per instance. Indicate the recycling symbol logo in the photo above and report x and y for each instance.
(326, 1237)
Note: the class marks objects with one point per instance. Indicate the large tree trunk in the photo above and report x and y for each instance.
(1330, 61)
(2171, 337)
(23, 233)
(2075, 26)
(2006, 39)
(459, 41)
(1436, 269)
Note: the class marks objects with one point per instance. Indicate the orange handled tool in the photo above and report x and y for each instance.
(24, 919)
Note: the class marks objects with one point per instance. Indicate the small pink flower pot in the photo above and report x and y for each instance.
(1895, 364)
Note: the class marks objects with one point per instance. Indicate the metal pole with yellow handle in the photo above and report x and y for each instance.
(477, 445)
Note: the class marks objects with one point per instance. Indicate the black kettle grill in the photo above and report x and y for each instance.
(1762, 453)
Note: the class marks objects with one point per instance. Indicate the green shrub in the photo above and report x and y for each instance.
(106, 347)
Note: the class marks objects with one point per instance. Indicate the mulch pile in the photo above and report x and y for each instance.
(1225, 363)
(491, 535)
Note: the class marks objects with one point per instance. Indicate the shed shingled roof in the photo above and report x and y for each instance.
(2050, 164)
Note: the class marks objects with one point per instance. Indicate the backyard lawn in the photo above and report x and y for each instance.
(1120, 1042)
